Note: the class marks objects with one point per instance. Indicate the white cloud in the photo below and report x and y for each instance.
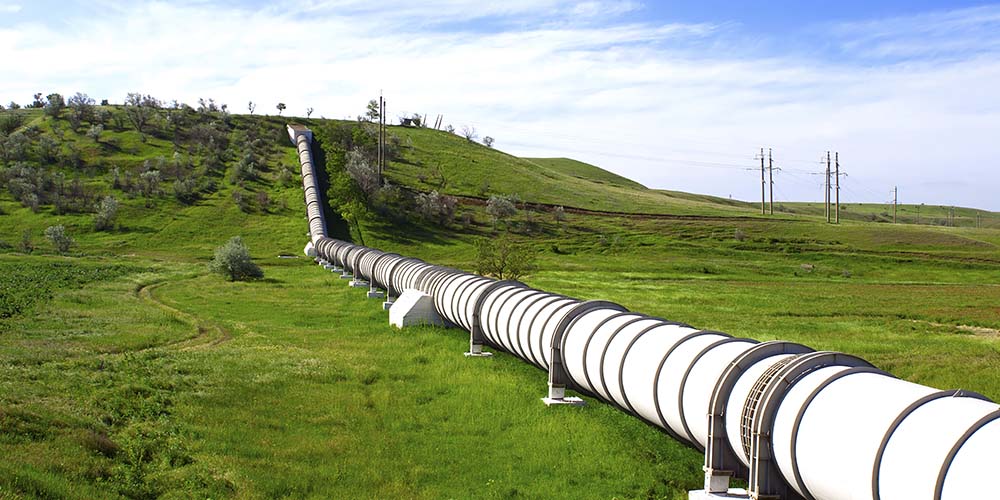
(9, 8)
(672, 105)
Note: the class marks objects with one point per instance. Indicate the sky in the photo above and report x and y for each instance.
(676, 95)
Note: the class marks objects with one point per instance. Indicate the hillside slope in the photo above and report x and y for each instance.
(439, 160)
(127, 370)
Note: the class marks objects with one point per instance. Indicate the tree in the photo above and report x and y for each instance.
(416, 119)
(60, 240)
(360, 168)
(54, 105)
(309, 112)
(95, 132)
(372, 112)
(469, 132)
(436, 208)
(251, 107)
(488, 141)
(139, 110)
(149, 184)
(281, 107)
(233, 261)
(504, 258)
(38, 102)
(107, 212)
(501, 207)
(81, 108)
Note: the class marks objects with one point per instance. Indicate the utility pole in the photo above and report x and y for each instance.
(952, 216)
(770, 175)
(378, 159)
(381, 139)
(762, 181)
(826, 199)
(836, 157)
(895, 201)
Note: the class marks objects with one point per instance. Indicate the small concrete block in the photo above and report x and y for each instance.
(480, 354)
(386, 305)
(574, 401)
(717, 481)
(733, 493)
(414, 307)
(358, 283)
(346, 276)
(374, 294)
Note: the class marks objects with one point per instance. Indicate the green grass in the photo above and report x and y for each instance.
(451, 164)
(126, 370)
(585, 171)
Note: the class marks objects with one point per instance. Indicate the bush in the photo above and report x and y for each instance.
(501, 207)
(436, 208)
(559, 214)
(504, 258)
(232, 260)
(10, 121)
(60, 240)
(26, 245)
(107, 212)
(186, 190)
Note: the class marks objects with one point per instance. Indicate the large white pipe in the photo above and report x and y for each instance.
(828, 425)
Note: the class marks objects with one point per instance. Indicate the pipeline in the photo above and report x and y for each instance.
(793, 422)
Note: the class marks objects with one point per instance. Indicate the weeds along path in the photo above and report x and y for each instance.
(209, 334)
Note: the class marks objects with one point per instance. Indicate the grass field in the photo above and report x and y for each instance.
(126, 370)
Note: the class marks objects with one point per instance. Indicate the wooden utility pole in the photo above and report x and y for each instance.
(378, 154)
(770, 176)
(895, 201)
(951, 214)
(762, 199)
(381, 140)
(826, 198)
(836, 157)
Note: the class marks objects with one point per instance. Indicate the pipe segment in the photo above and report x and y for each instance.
(815, 425)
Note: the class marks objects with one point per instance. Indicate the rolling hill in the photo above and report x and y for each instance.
(127, 370)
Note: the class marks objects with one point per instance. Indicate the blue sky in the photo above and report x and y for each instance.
(677, 95)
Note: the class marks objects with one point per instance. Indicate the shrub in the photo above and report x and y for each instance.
(60, 240)
(95, 132)
(107, 212)
(263, 200)
(559, 214)
(285, 177)
(739, 235)
(503, 258)
(26, 245)
(437, 208)
(241, 200)
(10, 121)
(233, 261)
(186, 190)
(501, 207)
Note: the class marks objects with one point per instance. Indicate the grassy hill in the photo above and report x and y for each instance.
(127, 370)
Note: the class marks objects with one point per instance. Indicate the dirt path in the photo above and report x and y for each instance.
(979, 331)
(208, 334)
